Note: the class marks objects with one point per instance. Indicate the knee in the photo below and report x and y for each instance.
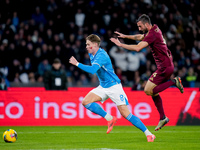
(84, 102)
(87, 101)
(148, 92)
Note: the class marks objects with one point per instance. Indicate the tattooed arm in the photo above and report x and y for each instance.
(137, 37)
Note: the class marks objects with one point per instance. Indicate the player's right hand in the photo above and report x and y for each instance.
(73, 61)
(116, 41)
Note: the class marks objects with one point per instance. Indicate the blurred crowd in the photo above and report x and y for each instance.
(35, 32)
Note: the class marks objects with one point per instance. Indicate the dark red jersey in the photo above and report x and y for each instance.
(162, 55)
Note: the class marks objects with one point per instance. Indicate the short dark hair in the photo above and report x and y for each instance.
(144, 19)
(56, 61)
(94, 38)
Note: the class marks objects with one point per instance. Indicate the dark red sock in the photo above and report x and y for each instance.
(158, 102)
(163, 86)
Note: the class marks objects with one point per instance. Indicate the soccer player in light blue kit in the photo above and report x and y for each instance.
(110, 87)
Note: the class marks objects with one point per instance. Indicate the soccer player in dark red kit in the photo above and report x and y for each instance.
(159, 80)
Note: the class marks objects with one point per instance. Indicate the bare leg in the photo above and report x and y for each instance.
(156, 98)
(123, 109)
(89, 103)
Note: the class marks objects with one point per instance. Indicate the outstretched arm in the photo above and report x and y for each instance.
(136, 48)
(90, 69)
(137, 37)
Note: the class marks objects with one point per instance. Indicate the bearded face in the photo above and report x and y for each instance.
(145, 30)
(142, 27)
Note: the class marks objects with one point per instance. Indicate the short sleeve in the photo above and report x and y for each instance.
(149, 38)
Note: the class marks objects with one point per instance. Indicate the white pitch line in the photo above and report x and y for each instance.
(80, 149)
(72, 132)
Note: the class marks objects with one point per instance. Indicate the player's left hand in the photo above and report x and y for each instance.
(116, 41)
(120, 35)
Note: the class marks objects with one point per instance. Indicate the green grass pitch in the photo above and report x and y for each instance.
(95, 138)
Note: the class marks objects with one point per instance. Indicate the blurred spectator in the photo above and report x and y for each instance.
(140, 81)
(94, 81)
(182, 59)
(16, 78)
(8, 31)
(171, 32)
(24, 78)
(119, 73)
(120, 57)
(133, 64)
(31, 77)
(15, 20)
(27, 65)
(79, 18)
(197, 70)
(13, 74)
(38, 16)
(191, 77)
(83, 81)
(43, 67)
(106, 18)
(37, 58)
(196, 52)
(3, 85)
(145, 76)
(137, 82)
(55, 78)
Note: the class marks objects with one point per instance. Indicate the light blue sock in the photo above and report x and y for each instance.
(136, 122)
(96, 108)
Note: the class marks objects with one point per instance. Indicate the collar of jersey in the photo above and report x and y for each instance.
(93, 56)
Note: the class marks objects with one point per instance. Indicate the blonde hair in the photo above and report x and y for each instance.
(94, 39)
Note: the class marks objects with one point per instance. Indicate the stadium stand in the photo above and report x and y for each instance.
(33, 33)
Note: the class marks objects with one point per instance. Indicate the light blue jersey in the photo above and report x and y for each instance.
(102, 66)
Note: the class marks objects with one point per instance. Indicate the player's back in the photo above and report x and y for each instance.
(161, 53)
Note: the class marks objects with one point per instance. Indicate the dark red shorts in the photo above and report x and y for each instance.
(161, 75)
